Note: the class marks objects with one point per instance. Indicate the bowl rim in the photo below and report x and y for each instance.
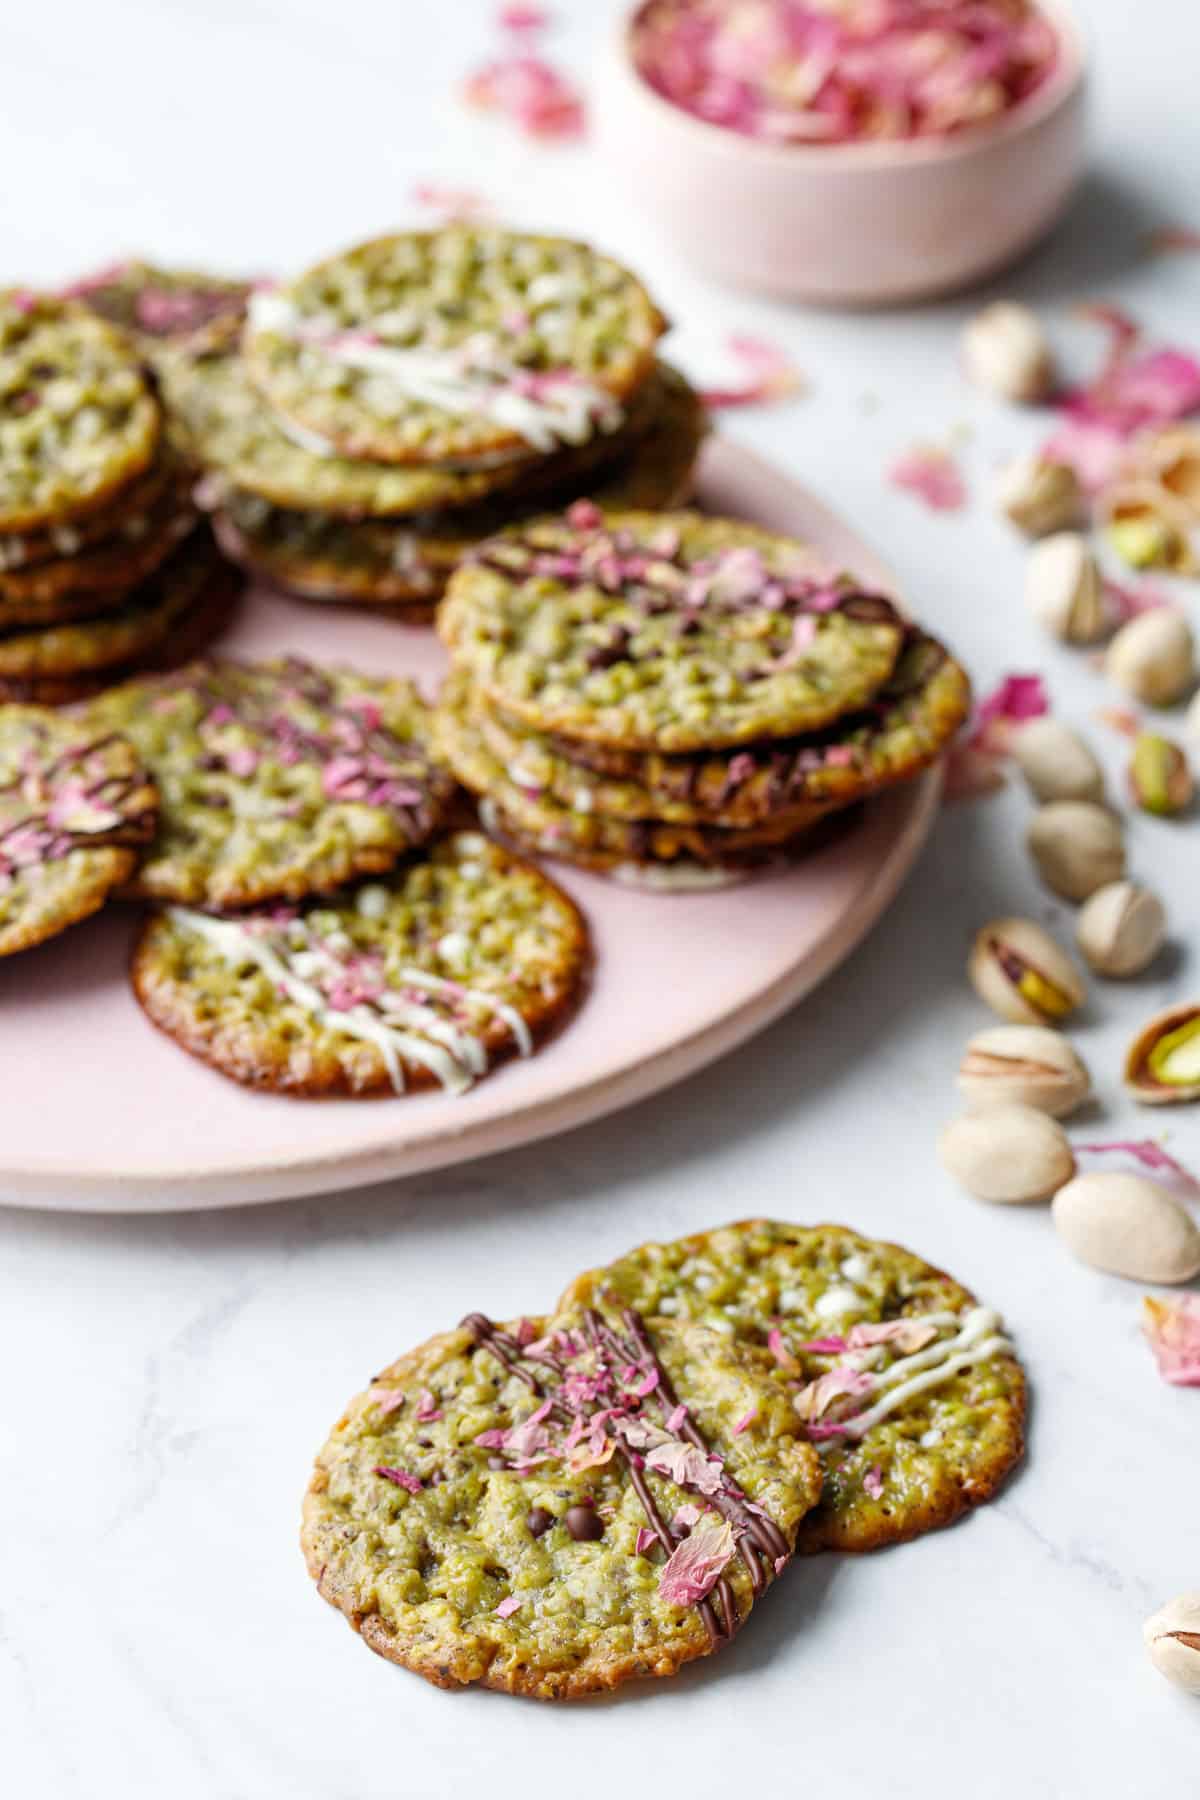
(1062, 86)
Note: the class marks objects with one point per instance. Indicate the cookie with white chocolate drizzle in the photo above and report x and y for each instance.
(462, 958)
(555, 1507)
(76, 809)
(908, 1387)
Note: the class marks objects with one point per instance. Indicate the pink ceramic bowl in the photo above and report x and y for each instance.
(861, 224)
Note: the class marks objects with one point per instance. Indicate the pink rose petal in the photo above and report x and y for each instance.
(412, 1484)
(694, 1567)
(450, 202)
(645, 1541)
(781, 1353)
(761, 373)
(1172, 1330)
(427, 1408)
(745, 1422)
(387, 1400)
(1147, 1154)
(508, 1607)
(933, 475)
(908, 1335)
(873, 1481)
(813, 1401)
(686, 1466)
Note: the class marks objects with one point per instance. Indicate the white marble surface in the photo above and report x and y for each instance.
(167, 1380)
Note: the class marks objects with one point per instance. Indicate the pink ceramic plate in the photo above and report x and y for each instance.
(98, 1111)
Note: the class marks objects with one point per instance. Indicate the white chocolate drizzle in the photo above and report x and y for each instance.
(395, 1024)
(979, 1336)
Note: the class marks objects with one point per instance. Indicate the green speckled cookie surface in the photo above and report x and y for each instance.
(461, 957)
(76, 808)
(77, 418)
(488, 1551)
(278, 779)
(457, 344)
(670, 632)
(783, 1287)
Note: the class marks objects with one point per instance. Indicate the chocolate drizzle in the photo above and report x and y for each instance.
(760, 1542)
(45, 842)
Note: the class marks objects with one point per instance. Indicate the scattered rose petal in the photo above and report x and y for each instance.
(1127, 602)
(694, 1567)
(873, 1481)
(908, 1335)
(826, 1346)
(676, 1417)
(1168, 239)
(450, 202)
(387, 1400)
(1016, 699)
(932, 474)
(686, 1466)
(517, 17)
(685, 1517)
(813, 1401)
(1172, 1330)
(756, 373)
(645, 1541)
(522, 86)
(411, 1484)
(1119, 718)
(745, 1422)
(781, 1353)
(427, 1408)
(1147, 1154)
(1093, 449)
(508, 1607)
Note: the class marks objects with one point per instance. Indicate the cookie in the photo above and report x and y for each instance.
(459, 345)
(75, 810)
(909, 1387)
(124, 516)
(542, 820)
(555, 1507)
(429, 978)
(910, 724)
(77, 418)
(156, 305)
(99, 576)
(386, 562)
(669, 632)
(278, 779)
(681, 875)
(145, 618)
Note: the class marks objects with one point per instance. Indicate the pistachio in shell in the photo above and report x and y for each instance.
(1163, 1064)
(1153, 657)
(1056, 762)
(1147, 528)
(1127, 1225)
(1022, 974)
(1172, 1638)
(1077, 846)
(1160, 777)
(1064, 590)
(1010, 1155)
(1121, 929)
(1024, 1065)
(1040, 495)
(1005, 350)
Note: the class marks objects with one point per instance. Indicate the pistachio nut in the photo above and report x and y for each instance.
(1128, 1225)
(1192, 722)
(1121, 929)
(1005, 350)
(1024, 1065)
(1163, 1064)
(1153, 657)
(1147, 528)
(1011, 1155)
(1039, 495)
(1064, 591)
(1160, 779)
(1022, 974)
(1172, 458)
(1173, 1641)
(1056, 763)
(1077, 846)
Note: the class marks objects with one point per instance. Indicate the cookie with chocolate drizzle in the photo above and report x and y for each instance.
(464, 957)
(908, 1387)
(554, 1507)
(279, 779)
(76, 810)
(665, 632)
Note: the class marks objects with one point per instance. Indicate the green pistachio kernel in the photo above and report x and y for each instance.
(1175, 1059)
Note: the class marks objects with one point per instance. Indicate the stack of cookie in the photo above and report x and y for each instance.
(385, 412)
(672, 699)
(101, 564)
(561, 1504)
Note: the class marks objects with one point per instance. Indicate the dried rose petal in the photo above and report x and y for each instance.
(1014, 700)
(908, 1335)
(745, 1422)
(813, 1401)
(873, 1481)
(1147, 1153)
(694, 1567)
(760, 373)
(412, 1484)
(508, 1607)
(1172, 1330)
(686, 1466)
(387, 1400)
(450, 202)
(933, 475)
(427, 1408)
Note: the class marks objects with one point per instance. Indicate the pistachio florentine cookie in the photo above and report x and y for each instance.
(669, 632)
(75, 811)
(124, 516)
(461, 958)
(555, 1507)
(910, 1389)
(77, 418)
(322, 555)
(463, 344)
(278, 779)
(156, 305)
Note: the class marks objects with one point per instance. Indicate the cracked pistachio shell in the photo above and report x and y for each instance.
(1010, 1155)
(1024, 1065)
(1039, 495)
(1022, 974)
(1173, 1641)
(1160, 780)
(1153, 657)
(1006, 351)
(1078, 847)
(1121, 929)
(1056, 763)
(1163, 1064)
(1064, 591)
(1147, 527)
(1127, 1225)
